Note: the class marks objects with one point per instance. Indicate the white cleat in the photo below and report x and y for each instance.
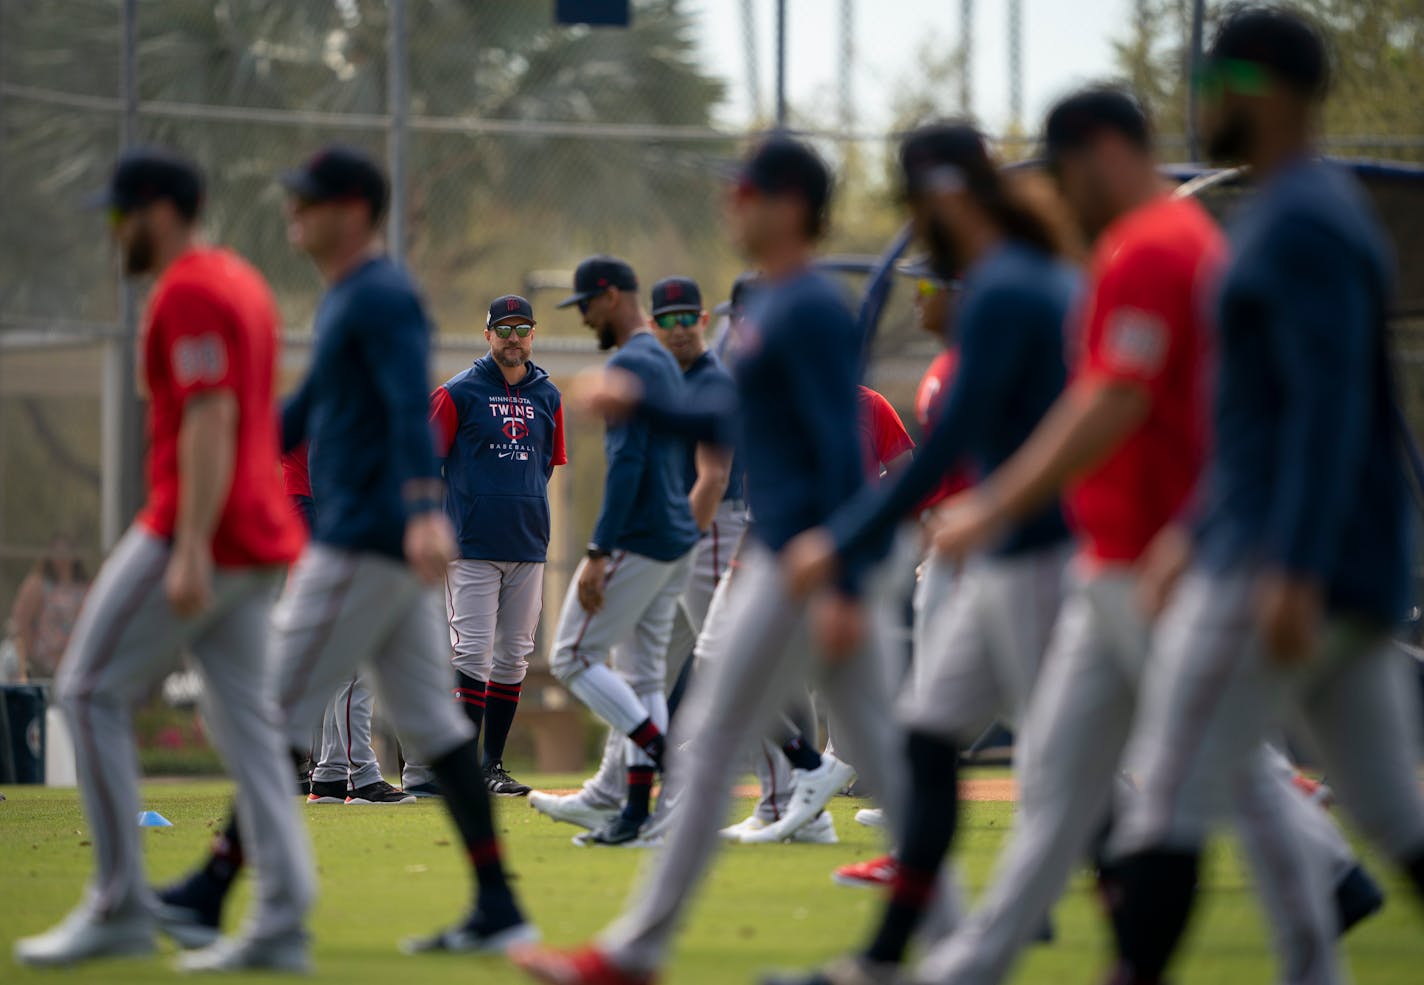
(747, 825)
(814, 790)
(870, 817)
(81, 937)
(571, 809)
(821, 831)
(289, 953)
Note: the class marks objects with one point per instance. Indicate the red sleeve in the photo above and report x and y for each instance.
(891, 438)
(191, 337)
(561, 455)
(1131, 322)
(444, 421)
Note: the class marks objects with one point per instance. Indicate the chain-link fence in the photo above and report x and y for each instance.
(517, 146)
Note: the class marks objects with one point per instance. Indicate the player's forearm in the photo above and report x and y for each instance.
(1083, 426)
(207, 451)
(714, 473)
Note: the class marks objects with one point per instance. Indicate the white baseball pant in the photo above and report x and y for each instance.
(767, 653)
(1067, 759)
(126, 640)
(632, 628)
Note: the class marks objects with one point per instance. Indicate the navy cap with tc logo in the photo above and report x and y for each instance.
(336, 174)
(148, 174)
(596, 275)
(509, 306)
(674, 294)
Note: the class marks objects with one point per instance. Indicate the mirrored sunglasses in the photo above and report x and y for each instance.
(503, 331)
(678, 319)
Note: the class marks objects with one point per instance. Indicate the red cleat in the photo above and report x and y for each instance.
(874, 874)
(585, 966)
(1316, 790)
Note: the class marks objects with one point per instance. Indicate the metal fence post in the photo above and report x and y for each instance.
(781, 64)
(398, 135)
(121, 454)
(1193, 67)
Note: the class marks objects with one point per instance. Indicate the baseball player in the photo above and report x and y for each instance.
(982, 657)
(196, 571)
(796, 369)
(624, 597)
(362, 593)
(1299, 563)
(1127, 439)
(713, 482)
(500, 429)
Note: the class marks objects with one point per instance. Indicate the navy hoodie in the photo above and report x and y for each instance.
(500, 442)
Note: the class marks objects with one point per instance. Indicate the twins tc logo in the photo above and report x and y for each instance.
(511, 304)
(515, 429)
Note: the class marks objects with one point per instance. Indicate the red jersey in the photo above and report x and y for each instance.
(296, 480)
(882, 434)
(929, 398)
(1145, 321)
(212, 325)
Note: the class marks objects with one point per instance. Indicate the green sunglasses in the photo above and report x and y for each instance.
(1235, 74)
(503, 331)
(678, 319)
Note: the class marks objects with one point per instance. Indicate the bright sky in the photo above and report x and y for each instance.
(1064, 42)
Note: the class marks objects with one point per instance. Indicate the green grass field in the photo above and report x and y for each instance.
(391, 872)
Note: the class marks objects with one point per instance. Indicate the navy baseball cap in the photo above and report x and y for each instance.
(339, 173)
(509, 306)
(741, 290)
(597, 274)
(146, 175)
(672, 294)
(1284, 43)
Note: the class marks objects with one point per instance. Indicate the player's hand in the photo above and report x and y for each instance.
(429, 545)
(188, 581)
(612, 394)
(808, 561)
(1289, 612)
(837, 625)
(963, 525)
(593, 577)
(1161, 567)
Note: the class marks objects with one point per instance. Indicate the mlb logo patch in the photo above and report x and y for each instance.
(1136, 340)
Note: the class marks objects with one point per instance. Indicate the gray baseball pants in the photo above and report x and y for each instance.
(346, 752)
(631, 631)
(345, 610)
(767, 654)
(1066, 759)
(710, 560)
(127, 639)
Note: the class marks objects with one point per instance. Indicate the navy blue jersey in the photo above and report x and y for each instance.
(363, 407)
(1306, 473)
(500, 442)
(645, 508)
(708, 379)
(1009, 325)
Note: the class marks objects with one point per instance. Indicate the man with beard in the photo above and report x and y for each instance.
(796, 360)
(1125, 443)
(624, 596)
(363, 593)
(499, 426)
(982, 655)
(196, 572)
(1298, 565)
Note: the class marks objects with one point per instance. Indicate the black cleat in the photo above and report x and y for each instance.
(479, 934)
(1357, 896)
(190, 911)
(327, 792)
(380, 792)
(501, 784)
(619, 830)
